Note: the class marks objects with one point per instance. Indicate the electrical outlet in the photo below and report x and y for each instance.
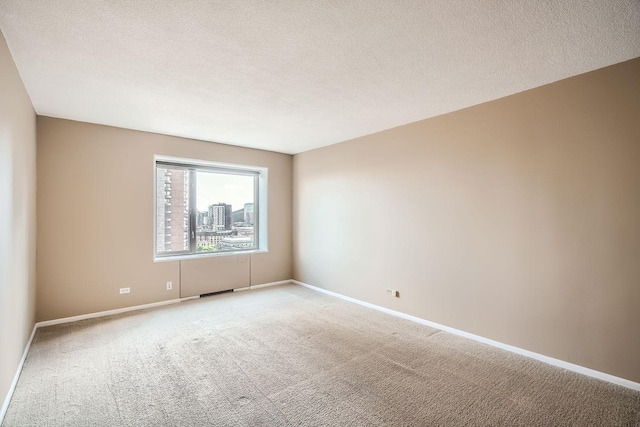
(390, 292)
(169, 286)
(125, 290)
(393, 293)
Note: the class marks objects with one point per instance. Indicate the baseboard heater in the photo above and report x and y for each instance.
(216, 293)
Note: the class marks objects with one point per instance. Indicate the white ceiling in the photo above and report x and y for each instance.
(293, 75)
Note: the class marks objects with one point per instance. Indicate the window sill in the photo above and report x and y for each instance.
(169, 258)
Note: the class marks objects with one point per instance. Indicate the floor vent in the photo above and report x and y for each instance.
(216, 293)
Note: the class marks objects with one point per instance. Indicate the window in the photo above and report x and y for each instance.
(205, 208)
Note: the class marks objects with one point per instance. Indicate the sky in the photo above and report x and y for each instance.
(215, 188)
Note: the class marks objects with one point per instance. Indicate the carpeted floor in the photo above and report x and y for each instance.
(291, 356)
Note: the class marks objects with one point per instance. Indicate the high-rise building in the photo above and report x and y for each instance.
(220, 216)
(249, 215)
(202, 219)
(172, 222)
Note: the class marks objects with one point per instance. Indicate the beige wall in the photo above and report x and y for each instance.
(17, 219)
(95, 216)
(517, 220)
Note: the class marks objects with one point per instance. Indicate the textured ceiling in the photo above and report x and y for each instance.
(293, 75)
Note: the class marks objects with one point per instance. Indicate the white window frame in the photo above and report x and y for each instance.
(260, 207)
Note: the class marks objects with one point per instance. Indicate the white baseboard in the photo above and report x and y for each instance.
(265, 285)
(541, 357)
(141, 307)
(7, 399)
(109, 312)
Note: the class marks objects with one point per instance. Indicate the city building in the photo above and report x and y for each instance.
(202, 219)
(249, 213)
(172, 222)
(210, 239)
(229, 243)
(220, 216)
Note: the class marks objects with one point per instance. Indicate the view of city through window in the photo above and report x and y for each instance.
(225, 219)
(224, 216)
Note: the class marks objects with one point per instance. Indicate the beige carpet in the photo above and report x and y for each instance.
(291, 356)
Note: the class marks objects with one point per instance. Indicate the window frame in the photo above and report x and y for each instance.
(193, 165)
